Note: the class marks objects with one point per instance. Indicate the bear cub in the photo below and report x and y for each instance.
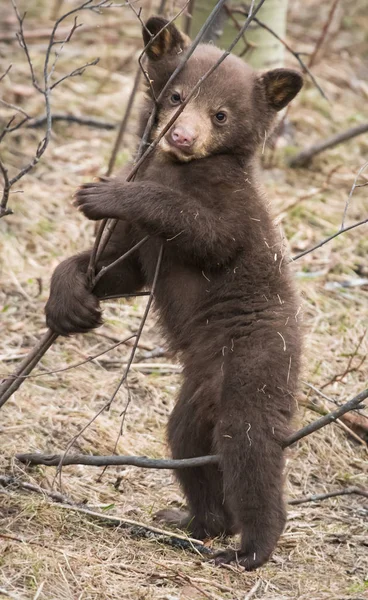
(224, 296)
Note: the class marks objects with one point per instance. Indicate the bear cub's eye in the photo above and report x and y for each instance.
(221, 117)
(175, 98)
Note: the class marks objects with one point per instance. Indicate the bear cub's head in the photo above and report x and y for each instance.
(231, 111)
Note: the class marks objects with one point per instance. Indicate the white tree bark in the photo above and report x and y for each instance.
(268, 52)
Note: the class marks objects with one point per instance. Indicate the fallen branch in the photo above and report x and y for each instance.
(151, 463)
(88, 121)
(7, 481)
(304, 157)
(53, 460)
(137, 529)
(317, 497)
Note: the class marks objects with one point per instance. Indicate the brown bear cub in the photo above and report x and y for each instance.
(224, 296)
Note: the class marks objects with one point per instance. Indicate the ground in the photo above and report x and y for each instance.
(49, 551)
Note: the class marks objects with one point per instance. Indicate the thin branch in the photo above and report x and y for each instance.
(75, 365)
(360, 172)
(76, 72)
(323, 34)
(123, 379)
(14, 107)
(136, 528)
(9, 481)
(124, 123)
(348, 368)
(140, 530)
(331, 237)
(121, 258)
(327, 419)
(12, 383)
(6, 189)
(296, 55)
(46, 88)
(6, 72)
(303, 158)
(316, 497)
(188, 17)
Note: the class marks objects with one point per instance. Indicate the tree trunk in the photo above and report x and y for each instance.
(266, 52)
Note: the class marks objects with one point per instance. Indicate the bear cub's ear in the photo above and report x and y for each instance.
(169, 41)
(281, 86)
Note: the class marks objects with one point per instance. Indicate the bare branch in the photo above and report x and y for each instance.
(88, 121)
(316, 497)
(324, 31)
(360, 172)
(6, 72)
(135, 528)
(331, 237)
(76, 72)
(296, 55)
(124, 123)
(3, 210)
(54, 460)
(46, 88)
(139, 461)
(303, 158)
(327, 419)
(104, 270)
(17, 108)
(75, 365)
(9, 481)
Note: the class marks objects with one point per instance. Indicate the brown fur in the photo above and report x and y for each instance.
(224, 294)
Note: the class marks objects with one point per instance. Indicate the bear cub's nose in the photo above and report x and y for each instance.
(181, 137)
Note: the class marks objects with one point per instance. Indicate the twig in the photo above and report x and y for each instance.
(303, 158)
(253, 590)
(9, 481)
(3, 209)
(141, 530)
(124, 123)
(88, 121)
(53, 460)
(327, 419)
(75, 365)
(331, 237)
(189, 17)
(8, 594)
(13, 382)
(136, 528)
(324, 31)
(317, 497)
(47, 87)
(355, 184)
(348, 369)
(5, 73)
(296, 55)
(121, 258)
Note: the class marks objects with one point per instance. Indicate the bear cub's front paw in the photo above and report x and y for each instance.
(96, 200)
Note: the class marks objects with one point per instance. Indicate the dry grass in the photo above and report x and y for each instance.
(51, 552)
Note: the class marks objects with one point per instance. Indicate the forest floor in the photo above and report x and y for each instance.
(51, 551)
